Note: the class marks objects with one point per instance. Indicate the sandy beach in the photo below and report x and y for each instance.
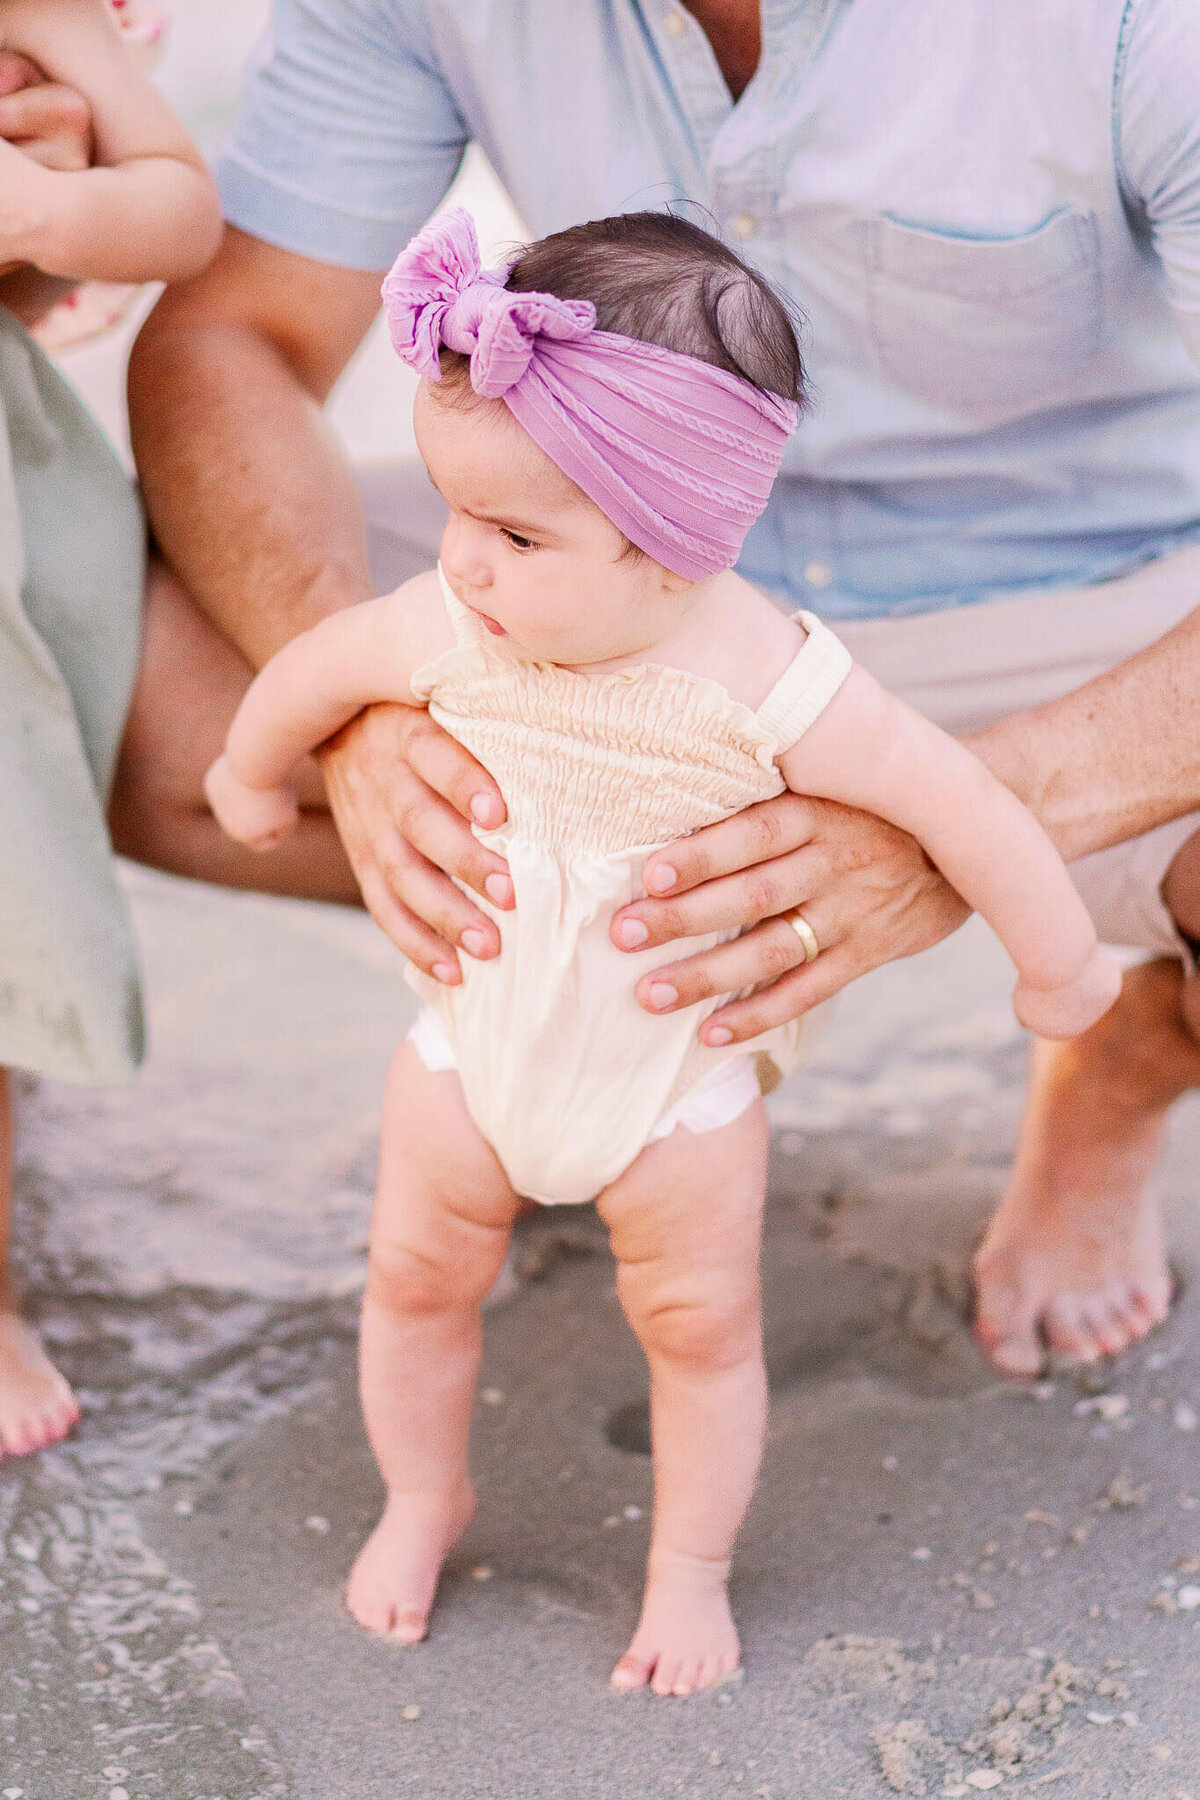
(948, 1584)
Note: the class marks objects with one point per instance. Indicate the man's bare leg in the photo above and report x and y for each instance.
(189, 685)
(36, 1405)
(1073, 1260)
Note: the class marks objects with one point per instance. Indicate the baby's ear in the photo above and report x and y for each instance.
(673, 583)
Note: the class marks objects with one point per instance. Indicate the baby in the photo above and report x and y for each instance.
(145, 210)
(604, 420)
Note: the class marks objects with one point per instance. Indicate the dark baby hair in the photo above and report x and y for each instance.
(661, 279)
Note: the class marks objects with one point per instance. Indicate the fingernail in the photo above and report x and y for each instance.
(499, 889)
(662, 995)
(660, 879)
(716, 1035)
(484, 809)
(447, 972)
(631, 933)
(474, 942)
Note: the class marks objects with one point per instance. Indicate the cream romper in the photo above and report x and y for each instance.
(566, 1076)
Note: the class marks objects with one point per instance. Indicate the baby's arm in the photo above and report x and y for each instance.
(148, 209)
(871, 751)
(314, 686)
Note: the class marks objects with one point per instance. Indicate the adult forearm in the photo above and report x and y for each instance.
(1113, 758)
(248, 492)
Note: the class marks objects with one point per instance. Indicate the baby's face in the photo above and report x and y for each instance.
(528, 551)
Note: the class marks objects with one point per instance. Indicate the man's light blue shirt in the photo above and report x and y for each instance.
(988, 214)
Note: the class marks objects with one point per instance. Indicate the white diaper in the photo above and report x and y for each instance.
(719, 1097)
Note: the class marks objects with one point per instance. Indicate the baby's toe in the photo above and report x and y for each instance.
(666, 1673)
(687, 1681)
(631, 1672)
(408, 1627)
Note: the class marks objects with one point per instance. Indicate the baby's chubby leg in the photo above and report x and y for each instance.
(686, 1226)
(443, 1216)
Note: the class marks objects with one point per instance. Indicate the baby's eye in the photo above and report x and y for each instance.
(516, 540)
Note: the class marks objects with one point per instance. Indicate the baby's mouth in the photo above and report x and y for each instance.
(493, 625)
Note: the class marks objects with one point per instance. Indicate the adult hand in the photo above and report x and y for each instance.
(403, 793)
(868, 890)
(52, 124)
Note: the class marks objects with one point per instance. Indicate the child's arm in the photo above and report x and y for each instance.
(148, 209)
(871, 751)
(314, 686)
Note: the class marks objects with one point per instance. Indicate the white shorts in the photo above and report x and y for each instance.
(717, 1099)
(964, 667)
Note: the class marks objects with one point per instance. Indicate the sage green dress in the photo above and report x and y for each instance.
(72, 569)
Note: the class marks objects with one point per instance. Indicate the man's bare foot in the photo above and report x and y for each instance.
(392, 1583)
(36, 1405)
(686, 1639)
(1073, 1260)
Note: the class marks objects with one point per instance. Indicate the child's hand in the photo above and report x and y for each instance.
(259, 817)
(24, 203)
(1065, 1012)
(47, 121)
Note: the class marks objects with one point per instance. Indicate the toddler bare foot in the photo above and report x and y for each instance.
(686, 1639)
(392, 1583)
(36, 1405)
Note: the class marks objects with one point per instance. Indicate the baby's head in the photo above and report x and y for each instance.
(677, 461)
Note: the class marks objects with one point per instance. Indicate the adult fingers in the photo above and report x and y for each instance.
(758, 834)
(785, 999)
(451, 771)
(375, 794)
(436, 829)
(760, 956)
(725, 903)
(411, 936)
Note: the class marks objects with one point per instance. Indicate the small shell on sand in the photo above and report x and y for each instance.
(1109, 1407)
(411, 1713)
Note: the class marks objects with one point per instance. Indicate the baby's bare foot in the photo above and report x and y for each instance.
(686, 1639)
(36, 1405)
(392, 1583)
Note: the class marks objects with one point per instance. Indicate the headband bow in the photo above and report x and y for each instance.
(680, 455)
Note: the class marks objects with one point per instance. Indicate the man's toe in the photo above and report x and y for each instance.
(1068, 1331)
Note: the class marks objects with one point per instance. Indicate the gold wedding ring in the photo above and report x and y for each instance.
(805, 933)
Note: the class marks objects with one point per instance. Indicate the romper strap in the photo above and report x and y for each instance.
(807, 685)
(467, 629)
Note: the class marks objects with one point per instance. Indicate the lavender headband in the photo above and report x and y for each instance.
(679, 455)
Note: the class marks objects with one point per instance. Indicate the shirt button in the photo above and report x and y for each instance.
(742, 225)
(818, 574)
(676, 24)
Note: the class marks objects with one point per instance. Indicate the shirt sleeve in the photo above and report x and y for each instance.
(1157, 126)
(346, 137)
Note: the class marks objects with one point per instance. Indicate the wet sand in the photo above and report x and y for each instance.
(946, 1584)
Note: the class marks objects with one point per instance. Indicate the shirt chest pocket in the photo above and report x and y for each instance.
(988, 328)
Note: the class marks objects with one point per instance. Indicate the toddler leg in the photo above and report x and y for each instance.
(36, 1405)
(686, 1225)
(443, 1215)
